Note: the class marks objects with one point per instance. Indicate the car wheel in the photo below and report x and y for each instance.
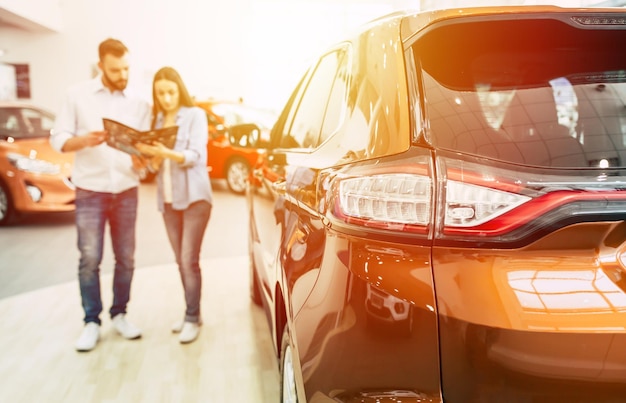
(7, 211)
(237, 173)
(288, 390)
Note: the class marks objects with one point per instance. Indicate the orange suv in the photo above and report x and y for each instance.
(441, 212)
(34, 178)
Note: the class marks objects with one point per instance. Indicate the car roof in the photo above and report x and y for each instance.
(414, 22)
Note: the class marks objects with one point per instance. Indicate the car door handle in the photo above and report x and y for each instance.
(279, 187)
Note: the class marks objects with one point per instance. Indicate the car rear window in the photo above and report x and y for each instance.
(539, 92)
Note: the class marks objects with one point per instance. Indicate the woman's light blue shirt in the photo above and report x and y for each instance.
(190, 180)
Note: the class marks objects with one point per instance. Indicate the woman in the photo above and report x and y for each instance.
(184, 193)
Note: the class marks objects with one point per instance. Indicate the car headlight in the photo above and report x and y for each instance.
(34, 165)
(34, 192)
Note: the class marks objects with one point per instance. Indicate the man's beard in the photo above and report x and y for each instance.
(119, 85)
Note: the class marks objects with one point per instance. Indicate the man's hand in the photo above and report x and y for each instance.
(91, 139)
(94, 138)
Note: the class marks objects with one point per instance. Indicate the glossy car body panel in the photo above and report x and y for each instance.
(541, 315)
(342, 345)
(31, 143)
(428, 229)
(57, 191)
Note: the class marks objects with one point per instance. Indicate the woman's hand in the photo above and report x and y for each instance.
(160, 151)
(147, 149)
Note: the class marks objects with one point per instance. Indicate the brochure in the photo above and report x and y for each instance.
(124, 138)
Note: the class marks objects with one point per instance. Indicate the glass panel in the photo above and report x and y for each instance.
(307, 124)
(500, 92)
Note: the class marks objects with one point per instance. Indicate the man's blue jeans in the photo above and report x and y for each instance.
(93, 211)
(185, 230)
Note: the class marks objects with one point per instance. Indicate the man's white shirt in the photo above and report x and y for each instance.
(100, 168)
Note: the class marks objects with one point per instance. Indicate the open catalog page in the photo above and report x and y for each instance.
(124, 138)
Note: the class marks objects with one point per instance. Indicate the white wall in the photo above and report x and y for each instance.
(255, 49)
(8, 83)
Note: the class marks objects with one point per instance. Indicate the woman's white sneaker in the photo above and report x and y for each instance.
(89, 337)
(189, 332)
(177, 327)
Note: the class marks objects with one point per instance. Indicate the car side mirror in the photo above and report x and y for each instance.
(244, 135)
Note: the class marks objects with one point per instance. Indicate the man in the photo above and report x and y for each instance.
(106, 182)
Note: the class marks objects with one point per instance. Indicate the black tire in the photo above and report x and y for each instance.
(7, 210)
(237, 172)
(288, 387)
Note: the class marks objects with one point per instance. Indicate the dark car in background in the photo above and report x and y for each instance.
(441, 212)
(34, 178)
(228, 157)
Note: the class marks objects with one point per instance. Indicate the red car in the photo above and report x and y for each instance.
(230, 158)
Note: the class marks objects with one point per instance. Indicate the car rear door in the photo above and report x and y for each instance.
(283, 192)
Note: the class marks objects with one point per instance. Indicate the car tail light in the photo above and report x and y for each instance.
(389, 200)
(511, 206)
(477, 202)
(468, 205)
(386, 200)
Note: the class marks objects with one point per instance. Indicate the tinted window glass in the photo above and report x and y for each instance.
(21, 123)
(306, 126)
(37, 124)
(539, 93)
(336, 106)
(10, 122)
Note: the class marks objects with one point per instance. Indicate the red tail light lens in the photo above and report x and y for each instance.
(469, 205)
(494, 203)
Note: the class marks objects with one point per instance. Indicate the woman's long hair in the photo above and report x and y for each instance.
(170, 74)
